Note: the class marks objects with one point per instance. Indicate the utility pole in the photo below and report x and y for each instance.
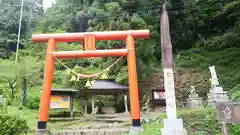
(19, 30)
(172, 125)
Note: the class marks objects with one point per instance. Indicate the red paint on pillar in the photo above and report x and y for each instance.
(47, 82)
(132, 79)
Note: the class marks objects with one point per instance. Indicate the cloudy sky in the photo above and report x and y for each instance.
(47, 3)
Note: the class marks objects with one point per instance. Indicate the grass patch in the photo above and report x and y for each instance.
(31, 116)
(200, 121)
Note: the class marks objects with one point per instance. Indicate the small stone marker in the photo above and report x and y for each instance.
(194, 101)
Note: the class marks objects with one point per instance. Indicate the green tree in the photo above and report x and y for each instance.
(9, 75)
(9, 23)
(25, 73)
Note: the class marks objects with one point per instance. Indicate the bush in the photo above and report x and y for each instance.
(204, 122)
(12, 126)
(32, 102)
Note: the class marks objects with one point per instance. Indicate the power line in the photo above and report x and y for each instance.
(151, 8)
(180, 8)
(122, 16)
(185, 2)
(152, 11)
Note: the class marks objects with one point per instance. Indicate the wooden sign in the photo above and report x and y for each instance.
(159, 95)
(58, 102)
(89, 42)
(228, 112)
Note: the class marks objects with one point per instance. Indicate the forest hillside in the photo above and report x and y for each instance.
(204, 33)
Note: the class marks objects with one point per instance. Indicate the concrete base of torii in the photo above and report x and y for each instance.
(42, 132)
(168, 129)
(135, 130)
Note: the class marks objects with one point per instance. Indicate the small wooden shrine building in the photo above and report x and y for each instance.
(98, 87)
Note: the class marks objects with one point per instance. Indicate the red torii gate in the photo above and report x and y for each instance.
(89, 39)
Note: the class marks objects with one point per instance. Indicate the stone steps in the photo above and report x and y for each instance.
(102, 126)
(95, 129)
(106, 131)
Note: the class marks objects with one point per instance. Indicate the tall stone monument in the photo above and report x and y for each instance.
(216, 92)
(172, 125)
(194, 101)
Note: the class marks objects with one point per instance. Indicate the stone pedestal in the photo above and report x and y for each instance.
(173, 127)
(217, 95)
(135, 130)
(194, 101)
